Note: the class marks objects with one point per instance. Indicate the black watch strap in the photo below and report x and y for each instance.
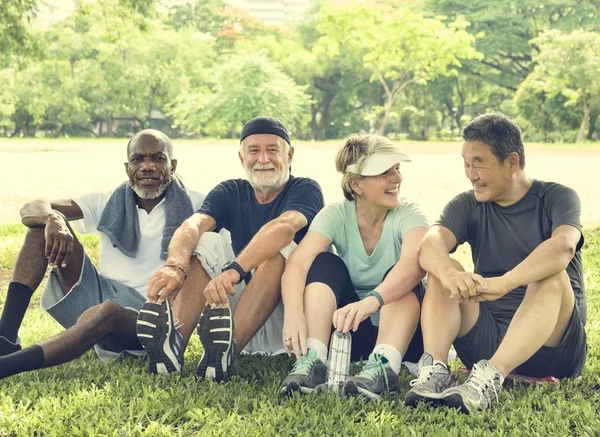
(235, 266)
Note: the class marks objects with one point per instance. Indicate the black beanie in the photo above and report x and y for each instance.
(265, 125)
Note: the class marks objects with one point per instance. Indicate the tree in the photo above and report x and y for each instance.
(244, 86)
(15, 35)
(504, 29)
(399, 47)
(569, 65)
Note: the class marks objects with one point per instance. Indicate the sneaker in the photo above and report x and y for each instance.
(159, 336)
(432, 380)
(308, 373)
(375, 378)
(7, 347)
(483, 385)
(219, 347)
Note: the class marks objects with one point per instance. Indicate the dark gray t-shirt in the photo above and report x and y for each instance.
(501, 237)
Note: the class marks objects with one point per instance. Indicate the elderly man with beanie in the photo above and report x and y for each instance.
(223, 272)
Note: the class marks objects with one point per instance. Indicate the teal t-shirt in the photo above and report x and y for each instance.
(339, 224)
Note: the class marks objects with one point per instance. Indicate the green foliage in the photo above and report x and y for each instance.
(88, 397)
(399, 47)
(245, 86)
(411, 69)
(15, 32)
(568, 70)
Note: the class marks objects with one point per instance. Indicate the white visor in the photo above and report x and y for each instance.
(379, 163)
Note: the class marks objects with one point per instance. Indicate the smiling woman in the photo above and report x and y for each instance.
(376, 236)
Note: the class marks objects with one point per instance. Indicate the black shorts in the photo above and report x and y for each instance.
(562, 361)
(329, 269)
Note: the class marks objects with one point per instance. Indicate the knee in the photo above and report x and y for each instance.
(274, 266)
(557, 283)
(102, 315)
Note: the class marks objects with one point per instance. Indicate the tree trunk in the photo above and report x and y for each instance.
(109, 126)
(313, 122)
(585, 121)
(592, 129)
(380, 130)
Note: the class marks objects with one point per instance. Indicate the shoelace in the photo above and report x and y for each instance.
(303, 365)
(424, 375)
(480, 379)
(177, 324)
(373, 368)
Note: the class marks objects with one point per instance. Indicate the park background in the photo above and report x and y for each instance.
(76, 85)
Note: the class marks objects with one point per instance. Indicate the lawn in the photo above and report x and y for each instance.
(87, 397)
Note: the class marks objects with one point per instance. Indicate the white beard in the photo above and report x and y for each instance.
(267, 181)
(152, 194)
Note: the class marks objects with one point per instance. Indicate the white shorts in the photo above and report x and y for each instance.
(214, 251)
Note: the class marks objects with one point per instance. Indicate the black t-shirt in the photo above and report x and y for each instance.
(234, 207)
(501, 237)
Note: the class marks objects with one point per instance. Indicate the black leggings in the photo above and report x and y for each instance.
(330, 270)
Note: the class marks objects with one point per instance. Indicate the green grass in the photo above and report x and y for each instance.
(87, 397)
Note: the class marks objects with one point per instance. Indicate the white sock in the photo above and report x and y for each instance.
(436, 362)
(319, 347)
(392, 354)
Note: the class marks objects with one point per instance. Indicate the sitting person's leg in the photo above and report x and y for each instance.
(164, 329)
(544, 338)
(28, 272)
(94, 325)
(442, 321)
(224, 336)
(398, 322)
(327, 285)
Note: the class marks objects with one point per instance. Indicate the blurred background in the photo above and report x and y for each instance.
(409, 69)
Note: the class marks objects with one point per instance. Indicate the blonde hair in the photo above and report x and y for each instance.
(355, 150)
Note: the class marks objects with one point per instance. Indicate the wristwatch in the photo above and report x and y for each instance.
(235, 266)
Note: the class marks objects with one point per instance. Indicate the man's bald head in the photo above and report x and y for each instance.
(151, 135)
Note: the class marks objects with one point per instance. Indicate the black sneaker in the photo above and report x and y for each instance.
(7, 347)
(308, 373)
(432, 380)
(375, 379)
(157, 333)
(219, 347)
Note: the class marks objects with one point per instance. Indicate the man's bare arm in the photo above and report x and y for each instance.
(36, 214)
(549, 258)
(186, 237)
(435, 259)
(270, 239)
(434, 251)
(169, 280)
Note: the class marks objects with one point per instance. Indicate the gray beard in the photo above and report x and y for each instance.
(150, 195)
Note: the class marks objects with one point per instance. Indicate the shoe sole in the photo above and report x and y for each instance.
(216, 335)
(456, 401)
(294, 387)
(153, 328)
(412, 399)
(351, 389)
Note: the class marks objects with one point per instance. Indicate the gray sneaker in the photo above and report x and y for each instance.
(432, 380)
(375, 379)
(483, 385)
(308, 372)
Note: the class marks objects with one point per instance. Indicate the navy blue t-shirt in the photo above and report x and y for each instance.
(234, 207)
